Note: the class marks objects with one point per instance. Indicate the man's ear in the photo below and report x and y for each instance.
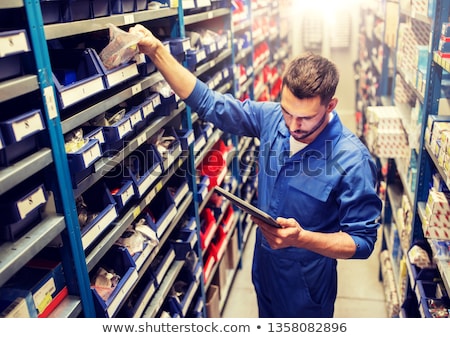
(332, 104)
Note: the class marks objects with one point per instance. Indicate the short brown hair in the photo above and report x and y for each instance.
(310, 75)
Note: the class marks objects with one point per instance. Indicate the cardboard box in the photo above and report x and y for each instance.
(212, 302)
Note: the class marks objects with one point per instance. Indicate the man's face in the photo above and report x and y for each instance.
(305, 118)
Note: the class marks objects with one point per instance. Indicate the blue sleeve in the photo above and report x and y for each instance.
(360, 217)
(225, 111)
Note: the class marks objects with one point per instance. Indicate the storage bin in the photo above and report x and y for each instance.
(178, 188)
(186, 137)
(141, 5)
(101, 204)
(179, 45)
(100, 8)
(21, 209)
(141, 257)
(214, 166)
(200, 138)
(14, 42)
(202, 189)
(136, 119)
(209, 262)
(16, 304)
(168, 145)
(190, 281)
(122, 190)
(168, 104)
(122, 6)
(82, 161)
(161, 212)
(162, 263)
(51, 11)
(194, 58)
(44, 279)
(115, 135)
(208, 227)
(144, 167)
(75, 10)
(76, 75)
(145, 65)
(147, 109)
(113, 77)
(155, 99)
(117, 259)
(11, 67)
(198, 309)
(140, 297)
(20, 135)
(184, 242)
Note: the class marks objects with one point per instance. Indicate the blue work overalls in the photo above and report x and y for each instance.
(329, 186)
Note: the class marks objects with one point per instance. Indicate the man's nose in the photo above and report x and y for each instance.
(295, 124)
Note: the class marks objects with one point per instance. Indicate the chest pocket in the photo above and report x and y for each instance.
(308, 200)
(311, 186)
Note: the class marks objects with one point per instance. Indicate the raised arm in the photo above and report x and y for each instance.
(180, 79)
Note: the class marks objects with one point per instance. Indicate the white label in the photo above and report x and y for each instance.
(19, 309)
(149, 180)
(204, 193)
(135, 118)
(124, 128)
(136, 89)
(166, 221)
(13, 44)
(141, 139)
(147, 109)
(201, 55)
(78, 93)
(98, 136)
(199, 143)
(156, 101)
(49, 96)
(127, 194)
(162, 269)
(91, 155)
(122, 74)
(98, 228)
(28, 126)
(186, 45)
(208, 130)
(143, 256)
(212, 47)
(181, 192)
(31, 202)
(121, 294)
(128, 19)
(190, 138)
(145, 300)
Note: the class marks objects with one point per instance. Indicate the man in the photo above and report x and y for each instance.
(315, 177)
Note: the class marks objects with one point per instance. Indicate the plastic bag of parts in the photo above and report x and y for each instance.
(122, 47)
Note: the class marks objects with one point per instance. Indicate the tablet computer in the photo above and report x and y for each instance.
(247, 207)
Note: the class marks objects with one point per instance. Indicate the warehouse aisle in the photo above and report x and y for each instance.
(360, 292)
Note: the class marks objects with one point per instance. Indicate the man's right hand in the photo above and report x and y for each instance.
(149, 43)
